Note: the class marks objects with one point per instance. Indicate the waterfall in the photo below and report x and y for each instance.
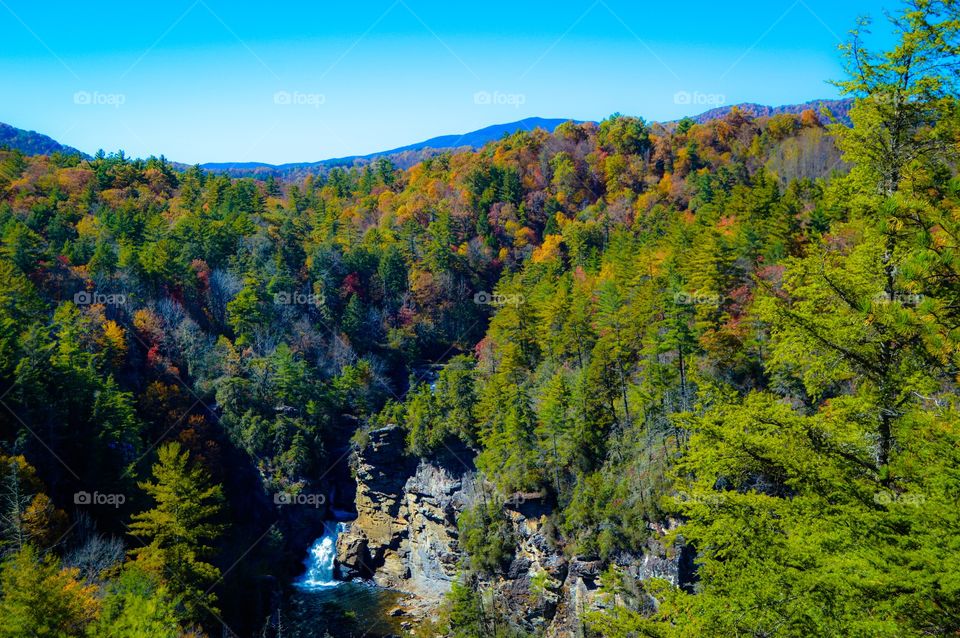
(320, 558)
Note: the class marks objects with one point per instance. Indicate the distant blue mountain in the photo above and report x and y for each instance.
(478, 138)
(473, 139)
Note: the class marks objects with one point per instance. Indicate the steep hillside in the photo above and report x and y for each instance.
(31, 142)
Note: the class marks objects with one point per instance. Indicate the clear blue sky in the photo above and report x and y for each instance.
(211, 80)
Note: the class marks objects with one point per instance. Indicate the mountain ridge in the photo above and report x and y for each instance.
(840, 109)
(473, 139)
(33, 143)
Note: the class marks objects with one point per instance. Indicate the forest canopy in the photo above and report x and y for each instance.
(745, 331)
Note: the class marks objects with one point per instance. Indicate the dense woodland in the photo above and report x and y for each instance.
(749, 327)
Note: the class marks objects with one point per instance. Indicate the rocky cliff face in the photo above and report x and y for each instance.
(580, 591)
(405, 537)
(405, 534)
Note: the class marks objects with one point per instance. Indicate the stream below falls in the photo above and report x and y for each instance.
(321, 606)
